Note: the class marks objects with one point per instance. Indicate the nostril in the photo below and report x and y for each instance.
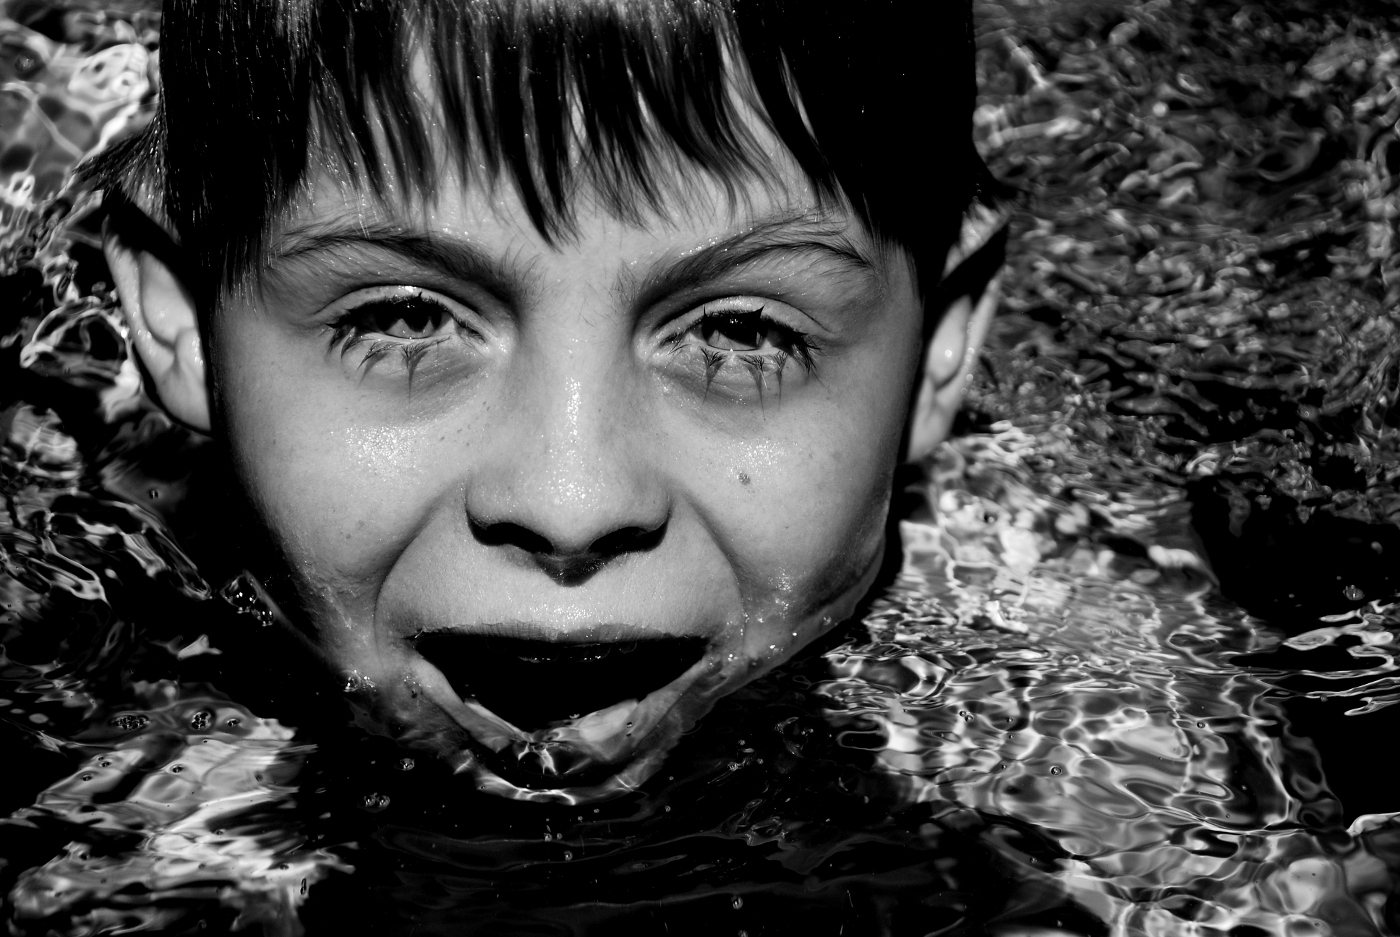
(506, 534)
(627, 540)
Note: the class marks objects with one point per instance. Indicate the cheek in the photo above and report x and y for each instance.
(801, 513)
(341, 492)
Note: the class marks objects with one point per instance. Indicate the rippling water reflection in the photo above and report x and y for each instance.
(1051, 721)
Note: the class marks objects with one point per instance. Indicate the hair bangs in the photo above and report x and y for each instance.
(873, 101)
(554, 98)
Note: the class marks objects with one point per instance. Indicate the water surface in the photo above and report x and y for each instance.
(1134, 674)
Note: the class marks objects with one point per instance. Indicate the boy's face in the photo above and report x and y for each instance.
(465, 439)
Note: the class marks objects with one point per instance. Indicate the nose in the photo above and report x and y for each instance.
(570, 484)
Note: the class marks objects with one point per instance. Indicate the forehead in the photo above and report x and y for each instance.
(691, 208)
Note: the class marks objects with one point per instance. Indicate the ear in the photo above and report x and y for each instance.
(969, 294)
(948, 363)
(160, 313)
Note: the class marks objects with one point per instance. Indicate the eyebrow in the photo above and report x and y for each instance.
(458, 259)
(810, 231)
(807, 232)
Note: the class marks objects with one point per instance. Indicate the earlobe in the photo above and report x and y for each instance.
(949, 360)
(160, 314)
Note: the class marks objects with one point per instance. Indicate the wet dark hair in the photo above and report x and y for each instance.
(873, 99)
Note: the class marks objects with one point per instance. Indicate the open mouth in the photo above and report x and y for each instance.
(535, 684)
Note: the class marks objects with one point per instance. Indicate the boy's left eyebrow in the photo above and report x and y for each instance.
(795, 235)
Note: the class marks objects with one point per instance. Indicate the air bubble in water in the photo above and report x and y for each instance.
(375, 802)
(406, 764)
(1353, 594)
(738, 902)
(201, 720)
(1056, 769)
(129, 721)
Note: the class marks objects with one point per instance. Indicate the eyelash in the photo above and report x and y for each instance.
(795, 345)
(356, 328)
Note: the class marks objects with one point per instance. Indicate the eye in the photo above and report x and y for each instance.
(744, 343)
(407, 316)
(746, 328)
(397, 325)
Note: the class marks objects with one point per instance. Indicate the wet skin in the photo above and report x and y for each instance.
(686, 427)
